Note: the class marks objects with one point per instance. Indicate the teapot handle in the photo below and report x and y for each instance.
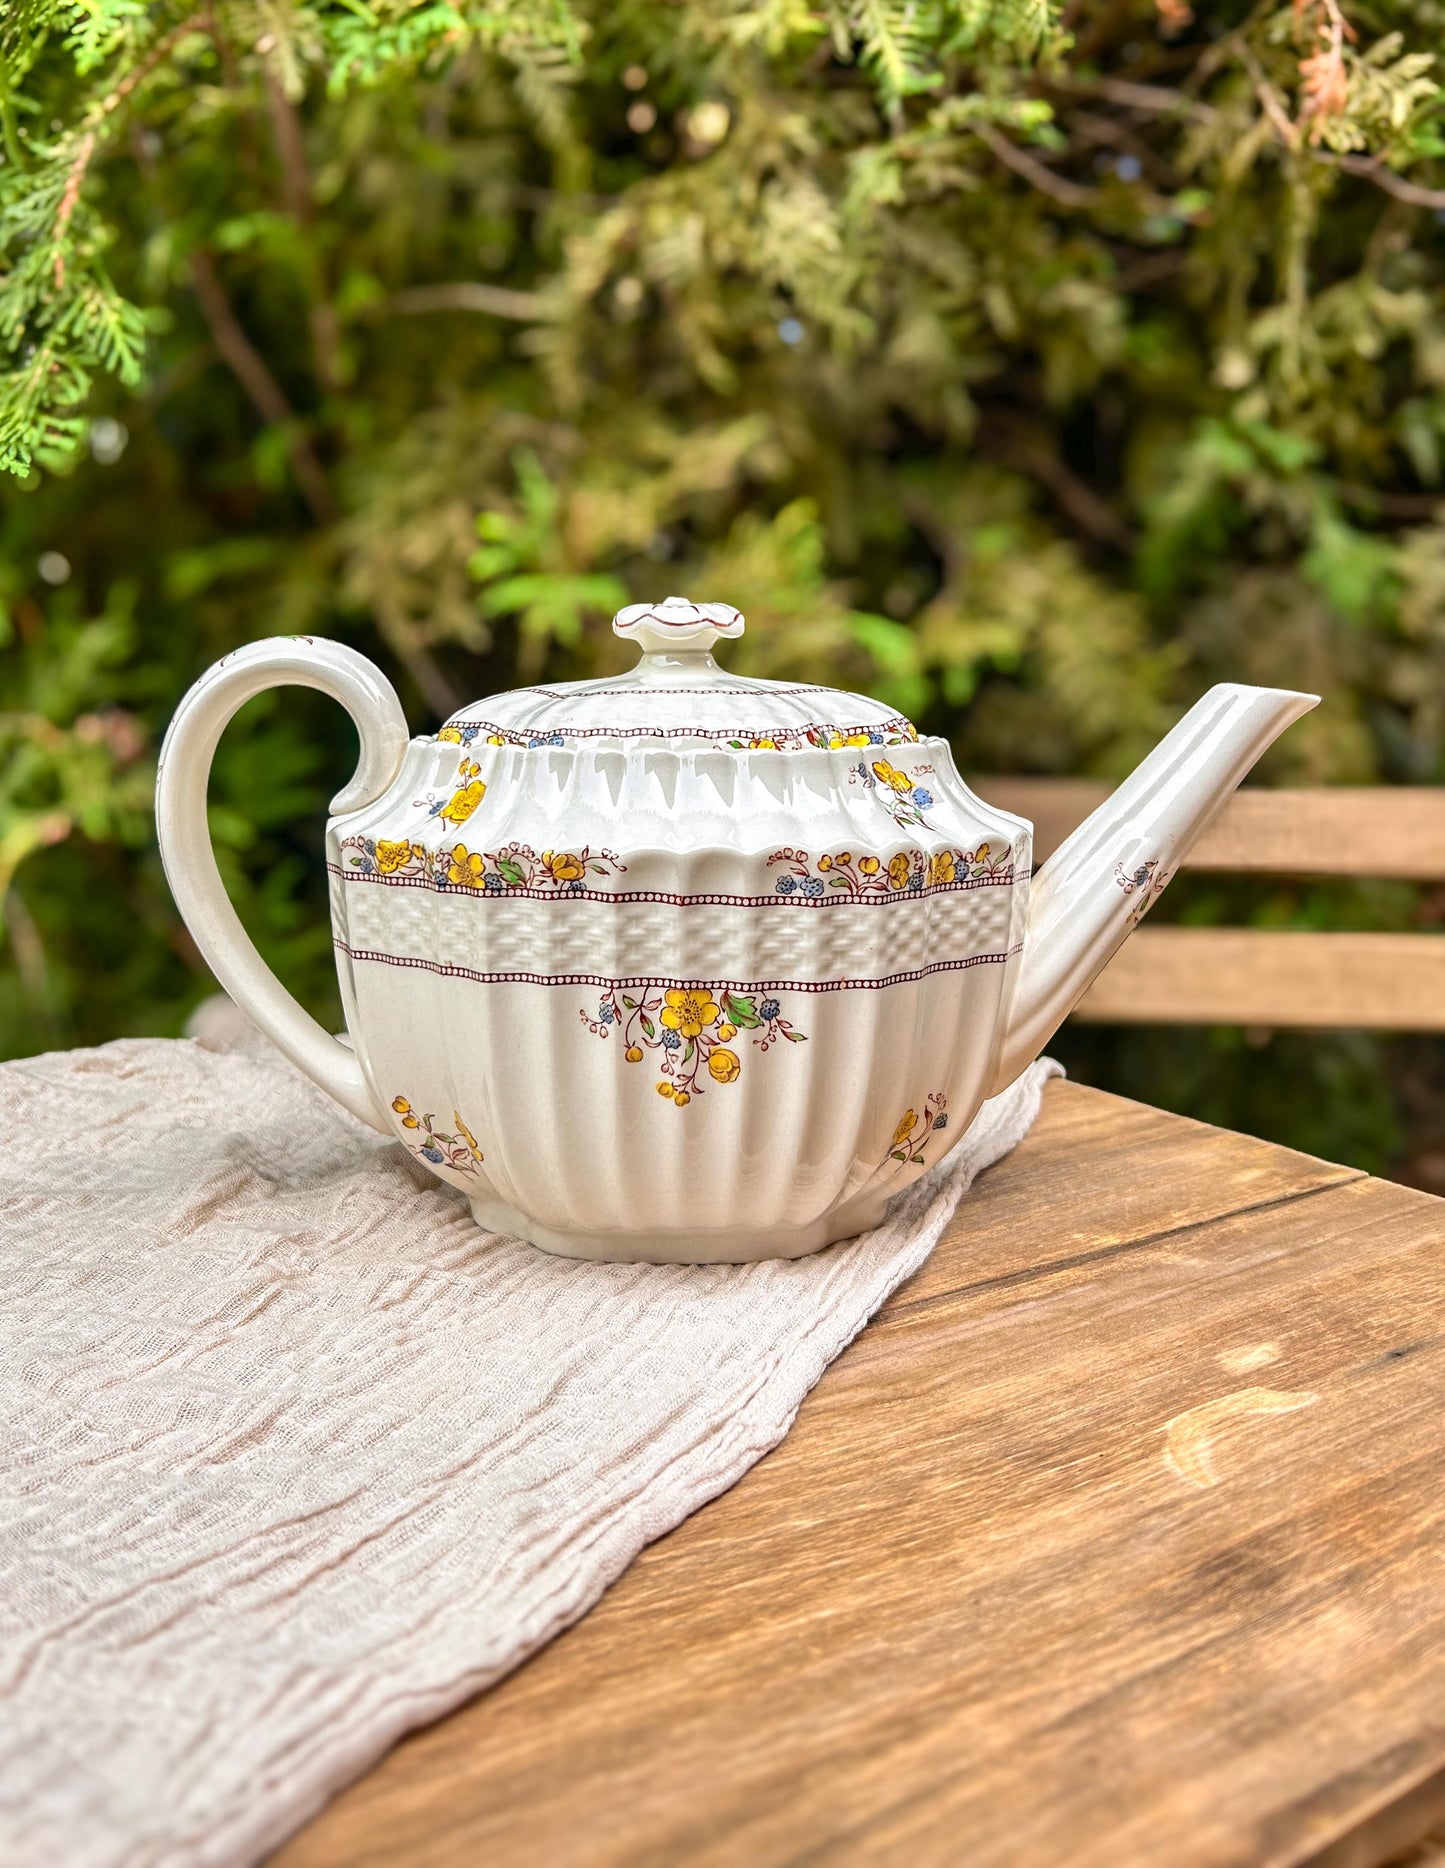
(190, 862)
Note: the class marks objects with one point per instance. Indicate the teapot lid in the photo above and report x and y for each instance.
(678, 696)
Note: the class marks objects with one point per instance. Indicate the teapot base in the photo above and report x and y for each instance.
(736, 1245)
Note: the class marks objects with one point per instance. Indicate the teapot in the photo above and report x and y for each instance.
(677, 965)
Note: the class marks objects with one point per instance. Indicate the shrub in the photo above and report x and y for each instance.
(1031, 370)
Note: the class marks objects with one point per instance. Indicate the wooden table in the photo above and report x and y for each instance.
(1119, 1537)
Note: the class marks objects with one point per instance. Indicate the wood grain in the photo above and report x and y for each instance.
(1394, 831)
(1272, 977)
(972, 1611)
(1269, 978)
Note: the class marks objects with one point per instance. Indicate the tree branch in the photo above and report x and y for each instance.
(1388, 505)
(1157, 99)
(253, 373)
(1269, 98)
(1079, 500)
(1374, 169)
(301, 203)
(496, 301)
(1070, 194)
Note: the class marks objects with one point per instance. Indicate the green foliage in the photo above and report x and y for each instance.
(1028, 374)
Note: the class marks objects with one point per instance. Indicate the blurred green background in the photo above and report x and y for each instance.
(1030, 366)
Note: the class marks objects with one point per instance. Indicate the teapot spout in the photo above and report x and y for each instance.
(1095, 889)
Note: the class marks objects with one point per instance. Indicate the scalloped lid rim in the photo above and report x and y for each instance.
(678, 694)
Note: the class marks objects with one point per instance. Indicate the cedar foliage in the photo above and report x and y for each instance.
(1029, 365)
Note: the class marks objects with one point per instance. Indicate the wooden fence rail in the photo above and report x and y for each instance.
(1268, 977)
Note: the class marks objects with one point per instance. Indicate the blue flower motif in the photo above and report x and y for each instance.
(545, 739)
(671, 1041)
(434, 1154)
(606, 1013)
(786, 884)
(875, 738)
(813, 886)
(915, 881)
(574, 887)
(923, 799)
(768, 1010)
(940, 1122)
(493, 881)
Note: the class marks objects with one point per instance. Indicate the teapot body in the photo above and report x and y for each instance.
(678, 965)
(651, 1002)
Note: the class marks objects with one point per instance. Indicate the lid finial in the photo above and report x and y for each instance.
(676, 626)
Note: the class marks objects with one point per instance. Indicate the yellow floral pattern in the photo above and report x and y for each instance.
(916, 1127)
(516, 866)
(902, 794)
(691, 1030)
(894, 732)
(468, 790)
(844, 870)
(688, 1012)
(459, 807)
(457, 1151)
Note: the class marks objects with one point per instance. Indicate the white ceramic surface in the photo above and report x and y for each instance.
(681, 966)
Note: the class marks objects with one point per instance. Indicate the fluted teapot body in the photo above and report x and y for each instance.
(671, 966)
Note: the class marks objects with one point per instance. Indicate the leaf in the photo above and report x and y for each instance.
(649, 1029)
(511, 872)
(741, 1011)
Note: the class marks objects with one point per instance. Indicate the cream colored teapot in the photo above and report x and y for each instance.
(677, 965)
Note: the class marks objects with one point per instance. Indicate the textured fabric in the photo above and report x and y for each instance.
(295, 1458)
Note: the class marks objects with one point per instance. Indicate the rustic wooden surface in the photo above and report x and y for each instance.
(1119, 1537)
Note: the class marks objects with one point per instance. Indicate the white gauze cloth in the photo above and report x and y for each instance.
(296, 1458)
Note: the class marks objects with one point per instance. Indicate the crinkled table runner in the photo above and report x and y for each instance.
(295, 1458)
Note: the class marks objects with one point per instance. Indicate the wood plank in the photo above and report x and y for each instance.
(983, 1591)
(1103, 1175)
(1376, 830)
(1273, 978)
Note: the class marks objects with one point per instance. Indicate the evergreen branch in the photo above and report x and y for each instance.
(138, 74)
(85, 149)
